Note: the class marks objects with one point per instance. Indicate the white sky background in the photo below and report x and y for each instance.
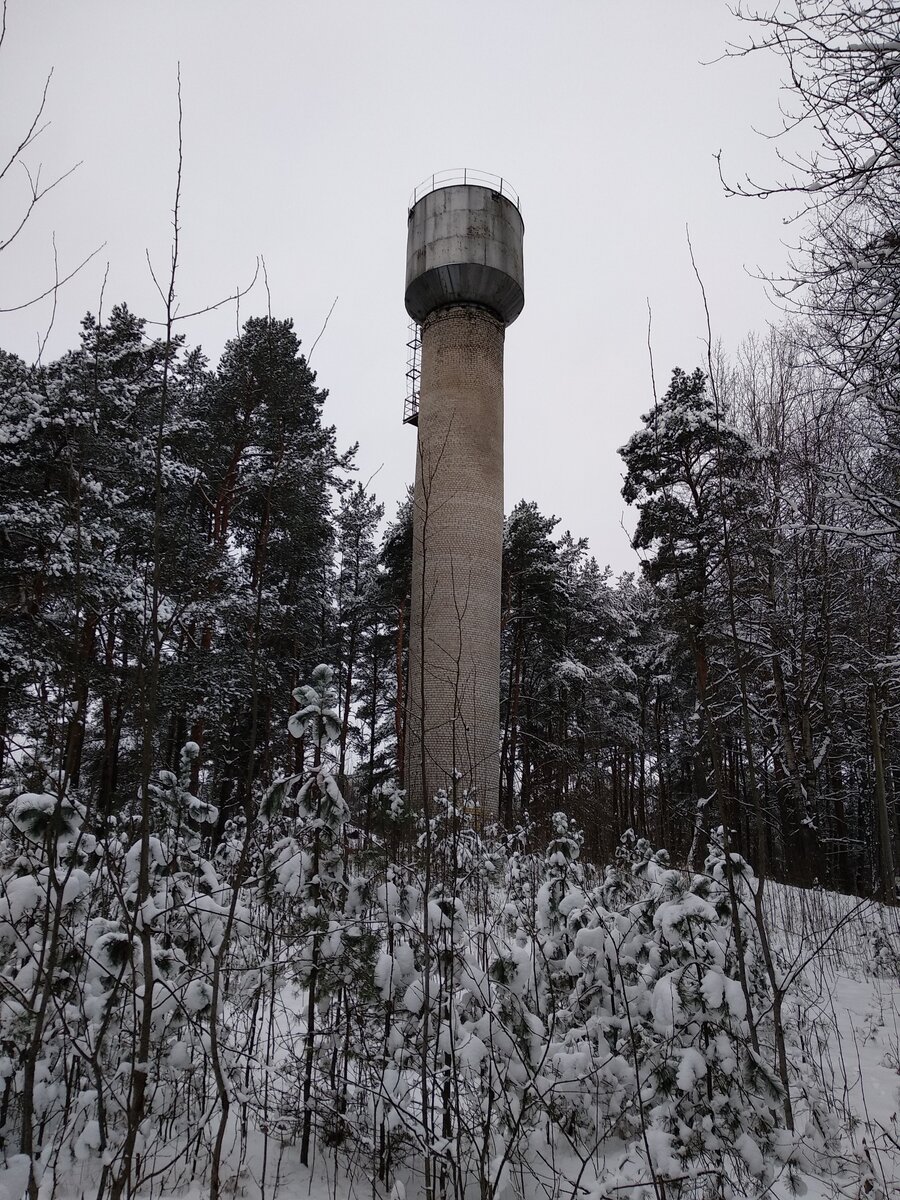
(306, 126)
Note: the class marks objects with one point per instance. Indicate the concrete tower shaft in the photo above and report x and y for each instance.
(464, 285)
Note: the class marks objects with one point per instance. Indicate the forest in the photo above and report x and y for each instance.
(185, 544)
(229, 950)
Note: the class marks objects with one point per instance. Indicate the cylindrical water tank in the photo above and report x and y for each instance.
(464, 246)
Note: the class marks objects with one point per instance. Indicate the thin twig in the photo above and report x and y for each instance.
(322, 330)
(42, 343)
(28, 303)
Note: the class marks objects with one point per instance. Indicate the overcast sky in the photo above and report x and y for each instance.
(306, 126)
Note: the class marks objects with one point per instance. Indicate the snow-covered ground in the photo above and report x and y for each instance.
(476, 1022)
(846, 1007)
(842, 957)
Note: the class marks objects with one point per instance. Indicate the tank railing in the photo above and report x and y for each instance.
(464, 175)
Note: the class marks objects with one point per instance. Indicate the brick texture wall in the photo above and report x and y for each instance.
(454, 662)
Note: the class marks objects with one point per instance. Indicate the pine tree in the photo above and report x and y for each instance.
(691, 476)
(270, 472)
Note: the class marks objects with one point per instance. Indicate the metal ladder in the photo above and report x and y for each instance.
(413, 375)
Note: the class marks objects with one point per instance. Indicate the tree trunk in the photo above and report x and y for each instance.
(883, 819)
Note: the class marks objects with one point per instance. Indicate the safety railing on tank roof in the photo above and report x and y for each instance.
(464, 175)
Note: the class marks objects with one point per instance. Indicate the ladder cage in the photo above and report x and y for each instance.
(413, 375)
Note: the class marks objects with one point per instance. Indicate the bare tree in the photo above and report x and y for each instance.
(843, 70)
(37, 189)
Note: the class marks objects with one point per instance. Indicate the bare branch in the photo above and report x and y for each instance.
(37, 194)
(34, 129)
(266, 282)
(42, 344)
(162, 294)
(36, 299)
(235, 296)
(322, 330)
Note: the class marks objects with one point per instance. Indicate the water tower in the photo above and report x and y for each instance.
(464, 285)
